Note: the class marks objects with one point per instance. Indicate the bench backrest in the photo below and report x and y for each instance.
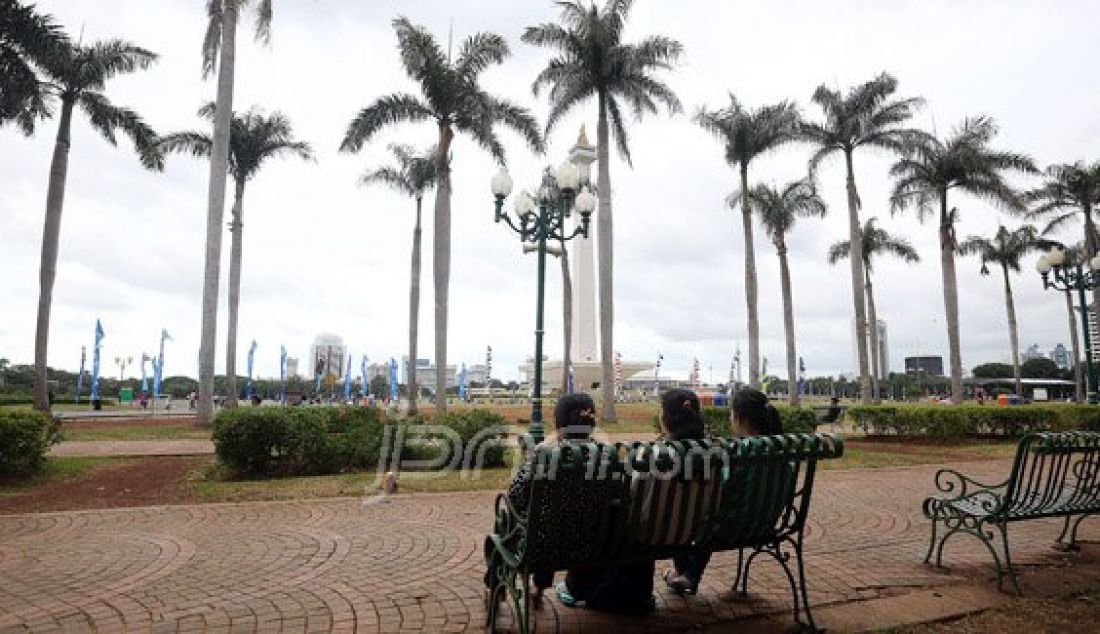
(768, 491)
(595, 503)
(1053, 472)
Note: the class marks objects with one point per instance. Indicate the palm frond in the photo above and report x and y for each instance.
(212, 41)
(197, 144)
(106, 118)
(839, 251)
(478, 52)
(388, 110)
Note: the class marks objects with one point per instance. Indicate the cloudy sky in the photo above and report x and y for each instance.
(324, 255)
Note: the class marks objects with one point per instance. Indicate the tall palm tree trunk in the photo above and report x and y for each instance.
(414, 309)
(235, 227)
(1013, 333)
(604, 244)
(1075, 344)
(855, 256)
(750, 281)
(950, 298)
(567, 318)
(872, 324)
(1091, 247)
(788, 324)
(215, 210)
(441, 262)
(51, 235)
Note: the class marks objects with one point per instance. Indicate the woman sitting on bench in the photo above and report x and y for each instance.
(750, 415)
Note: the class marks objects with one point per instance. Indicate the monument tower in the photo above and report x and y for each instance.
(583, 348)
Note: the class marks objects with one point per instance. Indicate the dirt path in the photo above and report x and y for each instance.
(128, 482)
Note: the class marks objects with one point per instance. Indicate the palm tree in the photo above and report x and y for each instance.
(220, 40)
(26, 40)
(254, 138)
(455, 102)
(964, 162)
(1070, 189)
(875, 241)
(414, 174)
(748, 134)
(77, 75)
(867, 116)
(593, 61)
(1005, 249)
(778, 210)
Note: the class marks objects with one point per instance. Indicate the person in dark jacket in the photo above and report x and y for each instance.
(750, 415)
(574, 419)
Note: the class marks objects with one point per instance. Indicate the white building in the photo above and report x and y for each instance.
(291, 367)
(425, 373)
(327, 355)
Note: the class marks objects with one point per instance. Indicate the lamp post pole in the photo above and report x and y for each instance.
(557, 197)
(1065, 276)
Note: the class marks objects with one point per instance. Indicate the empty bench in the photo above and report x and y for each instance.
(1053, 475)
(652, 501)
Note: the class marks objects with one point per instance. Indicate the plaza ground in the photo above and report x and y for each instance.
(413, 562)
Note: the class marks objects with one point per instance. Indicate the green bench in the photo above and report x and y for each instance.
(1053, 475)
(597, 505)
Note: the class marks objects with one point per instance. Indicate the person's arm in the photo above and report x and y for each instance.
(519, 490)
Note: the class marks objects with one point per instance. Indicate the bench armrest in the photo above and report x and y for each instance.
(956, 486)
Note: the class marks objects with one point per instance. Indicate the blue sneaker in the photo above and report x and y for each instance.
(563, 595)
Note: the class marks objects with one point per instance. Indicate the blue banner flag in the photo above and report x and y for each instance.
(144, 377)
(393, 379)
(365, 385)
(95, 360)
(80, 376)
(570, 387)
(801, 375)
(282, 375)
(251, 358)
(462, 384)
(158, 365)
(347, 381)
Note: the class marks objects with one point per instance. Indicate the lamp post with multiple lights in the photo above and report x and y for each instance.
(1061, 274)
(537, 220)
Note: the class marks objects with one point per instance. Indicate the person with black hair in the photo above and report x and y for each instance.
(629, 588)
(750, 415)
(574, 419)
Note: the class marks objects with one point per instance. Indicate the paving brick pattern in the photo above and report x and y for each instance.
(414, 563)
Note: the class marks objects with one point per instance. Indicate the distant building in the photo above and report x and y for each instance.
(883, 349)
(1033, 353)
(1060, 356)
(930, 365)
(477, 373)
(425, 373)
(328, 355)
(291, 367)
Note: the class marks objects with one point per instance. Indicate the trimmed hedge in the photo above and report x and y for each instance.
(970, 420)
(25, 436)
(28, 400)
(316, 440)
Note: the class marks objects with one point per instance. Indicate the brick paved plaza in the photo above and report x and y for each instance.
(415, 563)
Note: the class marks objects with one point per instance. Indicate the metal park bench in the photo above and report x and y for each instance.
(1053, 475)
(596, 505)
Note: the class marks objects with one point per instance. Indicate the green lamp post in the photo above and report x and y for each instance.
(1062, 275)
(536, 221)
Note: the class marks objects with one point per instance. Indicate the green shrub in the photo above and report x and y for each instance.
(277, 441)
(972, 419)
(795, 420)
(482, 433)
(716, 422)
(25, 436)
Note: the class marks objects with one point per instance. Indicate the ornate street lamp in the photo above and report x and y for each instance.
(1065, 276)
(537, 221)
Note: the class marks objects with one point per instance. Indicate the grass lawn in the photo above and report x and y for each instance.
(136, 432)
(58, 469)
(212, 484)
(1073, 613)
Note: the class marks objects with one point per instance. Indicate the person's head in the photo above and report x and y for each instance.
(680, 415)
(834, 400)
(575, 416)
(752, 414)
